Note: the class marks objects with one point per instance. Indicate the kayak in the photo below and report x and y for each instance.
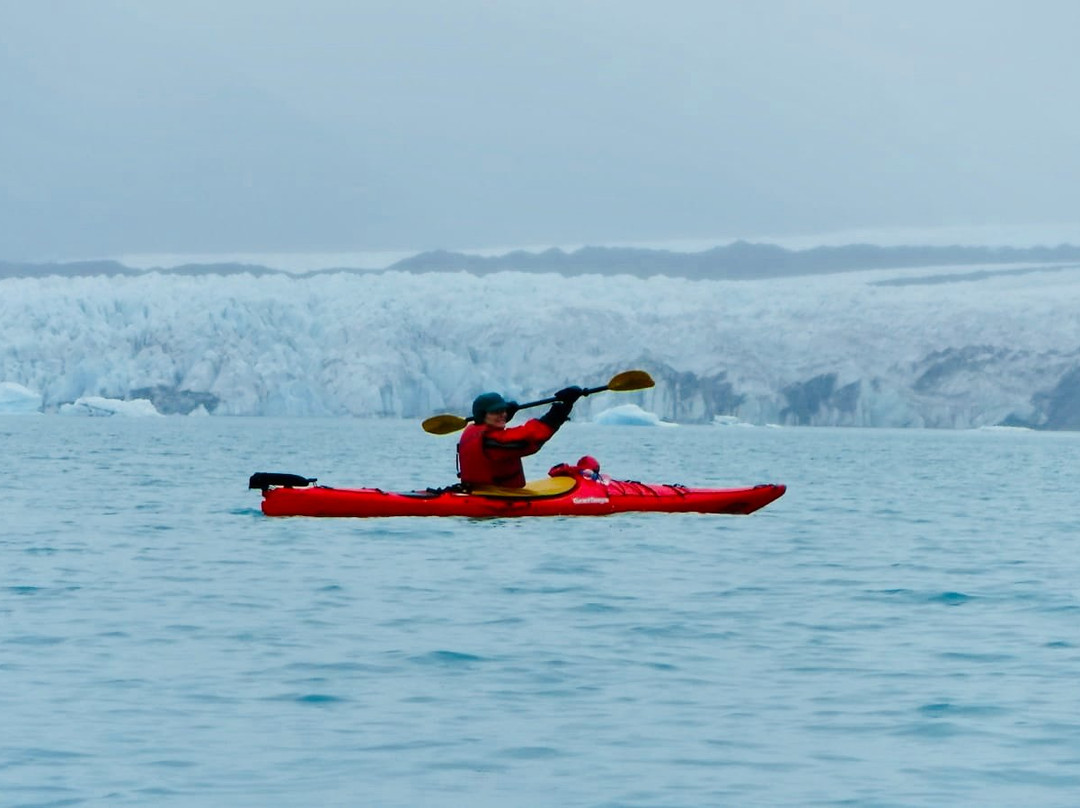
(576, 495)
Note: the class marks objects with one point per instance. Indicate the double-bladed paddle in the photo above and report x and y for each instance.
(625, 382)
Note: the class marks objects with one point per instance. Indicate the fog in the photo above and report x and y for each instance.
(201, 127)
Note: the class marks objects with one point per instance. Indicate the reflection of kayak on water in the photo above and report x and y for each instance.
(572, 493)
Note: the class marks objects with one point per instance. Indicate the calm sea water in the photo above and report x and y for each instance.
(901, 629)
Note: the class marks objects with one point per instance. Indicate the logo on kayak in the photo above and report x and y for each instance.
(590, 500)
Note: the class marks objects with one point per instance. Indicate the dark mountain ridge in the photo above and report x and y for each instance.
(740, 260)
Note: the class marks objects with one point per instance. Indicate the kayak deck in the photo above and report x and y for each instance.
(555, 496)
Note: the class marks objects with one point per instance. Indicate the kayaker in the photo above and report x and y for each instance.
(489, 453)
(587, 467)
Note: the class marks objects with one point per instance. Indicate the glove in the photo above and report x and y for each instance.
(558, 415)
(511, 409)
(570, 395)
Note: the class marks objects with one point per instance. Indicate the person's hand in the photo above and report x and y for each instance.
(511, 410)
(570, 395)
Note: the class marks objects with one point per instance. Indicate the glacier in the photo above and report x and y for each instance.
(947, 347)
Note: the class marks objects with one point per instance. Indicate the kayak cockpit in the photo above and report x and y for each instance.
(537, 489)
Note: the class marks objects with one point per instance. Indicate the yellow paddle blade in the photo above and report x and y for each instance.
(631, 380)
(444, 424)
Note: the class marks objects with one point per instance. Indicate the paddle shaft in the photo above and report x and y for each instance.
(626, 381)
(588, 391)
(552, 399)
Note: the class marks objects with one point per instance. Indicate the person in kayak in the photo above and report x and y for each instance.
(489, 453)
(587, 467)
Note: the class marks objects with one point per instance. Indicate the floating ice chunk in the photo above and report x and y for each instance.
(629, 415)
(18, 400)
(199, 412)
(98, 406)
(729, 420)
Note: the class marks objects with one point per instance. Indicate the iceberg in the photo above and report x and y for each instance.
(18, 400)
(629, 415)
(96, 406)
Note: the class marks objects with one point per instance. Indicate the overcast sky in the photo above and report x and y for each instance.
(318, 125)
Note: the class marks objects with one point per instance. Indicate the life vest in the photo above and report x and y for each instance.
(488, 455)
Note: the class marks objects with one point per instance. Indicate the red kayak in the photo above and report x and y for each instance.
(571, 495)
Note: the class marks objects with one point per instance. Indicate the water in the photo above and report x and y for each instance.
(901, 629)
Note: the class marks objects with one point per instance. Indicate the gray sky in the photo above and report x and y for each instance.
(318, 125)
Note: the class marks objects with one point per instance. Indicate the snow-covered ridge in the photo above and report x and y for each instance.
(854, 348)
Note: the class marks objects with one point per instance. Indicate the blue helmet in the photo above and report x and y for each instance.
(485, 403)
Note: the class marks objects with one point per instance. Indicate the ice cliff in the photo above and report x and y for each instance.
(955, 347)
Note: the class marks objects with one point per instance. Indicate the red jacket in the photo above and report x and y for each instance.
(488, 455)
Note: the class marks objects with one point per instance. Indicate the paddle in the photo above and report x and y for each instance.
(625, 382)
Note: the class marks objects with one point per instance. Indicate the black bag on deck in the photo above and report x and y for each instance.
(264, 480)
